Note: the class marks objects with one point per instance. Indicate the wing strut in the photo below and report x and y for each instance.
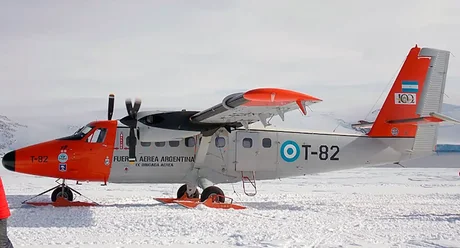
(200, 155)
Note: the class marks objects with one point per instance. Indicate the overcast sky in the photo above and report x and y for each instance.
(191, 54)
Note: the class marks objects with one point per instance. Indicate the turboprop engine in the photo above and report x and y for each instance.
(155, 126)
(164, 126)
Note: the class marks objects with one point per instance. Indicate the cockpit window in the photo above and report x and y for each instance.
(79, 134)
(97, 136)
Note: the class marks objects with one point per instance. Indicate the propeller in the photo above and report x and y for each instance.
(111, 103)
(131, 122)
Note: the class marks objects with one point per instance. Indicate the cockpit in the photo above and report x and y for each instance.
(97, 136)
(79, 134)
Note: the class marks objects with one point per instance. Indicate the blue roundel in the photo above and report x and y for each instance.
(289, 151)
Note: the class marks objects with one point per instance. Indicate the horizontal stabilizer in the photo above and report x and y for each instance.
(444, 118)
(432, 118)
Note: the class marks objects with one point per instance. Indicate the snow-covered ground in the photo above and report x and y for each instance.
(373, 207)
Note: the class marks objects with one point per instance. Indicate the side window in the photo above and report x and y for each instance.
(174, 143)
(266, 142)
(98, 136)
(220, 142)
(160, 144)
(247, 142)
(190, 141)
(127, 141)
(146, 144)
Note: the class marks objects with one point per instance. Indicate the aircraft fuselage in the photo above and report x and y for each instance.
(270, 154)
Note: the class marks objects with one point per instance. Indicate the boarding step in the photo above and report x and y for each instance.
(249, 177)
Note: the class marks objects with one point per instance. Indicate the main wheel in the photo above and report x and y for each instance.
(183, 189)
(67, 194)
(212, 190)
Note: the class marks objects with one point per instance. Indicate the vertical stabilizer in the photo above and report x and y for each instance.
(415, 96)
(403, 98)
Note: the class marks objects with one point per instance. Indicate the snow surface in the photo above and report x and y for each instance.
(372, 207)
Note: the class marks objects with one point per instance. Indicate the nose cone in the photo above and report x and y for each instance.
(8, 160)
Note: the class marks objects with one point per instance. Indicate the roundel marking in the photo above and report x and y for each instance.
(290, 151)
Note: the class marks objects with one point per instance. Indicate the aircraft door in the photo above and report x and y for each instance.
(268, 152)
(100, 144)
(247, 147)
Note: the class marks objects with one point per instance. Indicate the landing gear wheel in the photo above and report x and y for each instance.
(62, 191)
(212, 190)
(183, 189)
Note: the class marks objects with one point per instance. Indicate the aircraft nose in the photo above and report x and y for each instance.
(9, 160)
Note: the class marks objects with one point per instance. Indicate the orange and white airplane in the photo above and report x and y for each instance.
(201, 149)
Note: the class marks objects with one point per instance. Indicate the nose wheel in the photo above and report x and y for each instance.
(62, 196)
(62, 191)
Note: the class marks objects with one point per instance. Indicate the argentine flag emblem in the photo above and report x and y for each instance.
(409, 86)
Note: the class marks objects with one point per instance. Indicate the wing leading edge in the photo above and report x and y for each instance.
(255, 105)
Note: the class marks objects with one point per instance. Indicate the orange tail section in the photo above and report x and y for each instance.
(400, 113)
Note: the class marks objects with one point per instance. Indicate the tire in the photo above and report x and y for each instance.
(183, 189)
(212, 190)
(68, 194)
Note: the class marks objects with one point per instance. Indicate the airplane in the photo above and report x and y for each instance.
(202, 149)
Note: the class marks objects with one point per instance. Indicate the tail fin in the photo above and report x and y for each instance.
(415, 99)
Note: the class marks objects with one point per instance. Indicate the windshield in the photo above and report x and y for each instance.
(79, 134)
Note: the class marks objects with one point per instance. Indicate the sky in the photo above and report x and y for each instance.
(68, 56)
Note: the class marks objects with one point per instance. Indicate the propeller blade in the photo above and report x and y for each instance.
(132, 146)
(137, 105)
(111, 104)
(129, 107)
(131, 122)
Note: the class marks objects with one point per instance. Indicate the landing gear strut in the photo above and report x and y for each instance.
(62, 196)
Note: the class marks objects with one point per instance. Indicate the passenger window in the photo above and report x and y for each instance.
(146, 144)
(220, 142)
(160, 144)
(190, 141)
(98, 136)
(174, 143)
(127, 141)
(267, 142)
(247, 142)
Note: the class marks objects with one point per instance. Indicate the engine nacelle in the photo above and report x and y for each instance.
(153, 134)
(172, 125)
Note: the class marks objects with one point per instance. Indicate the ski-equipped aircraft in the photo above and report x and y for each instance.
(201, 149)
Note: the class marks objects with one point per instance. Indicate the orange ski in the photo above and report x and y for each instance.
(173, 200)
(211, 202)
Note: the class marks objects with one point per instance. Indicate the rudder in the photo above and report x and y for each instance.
(432, 99)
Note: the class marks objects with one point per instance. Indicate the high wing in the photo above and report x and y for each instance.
(236, 110)
(255, 105)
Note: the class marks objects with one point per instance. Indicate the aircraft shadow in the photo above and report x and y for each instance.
(452, 218)
(433, 217)
(23, 215)
(136, 205)
(271, 205)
